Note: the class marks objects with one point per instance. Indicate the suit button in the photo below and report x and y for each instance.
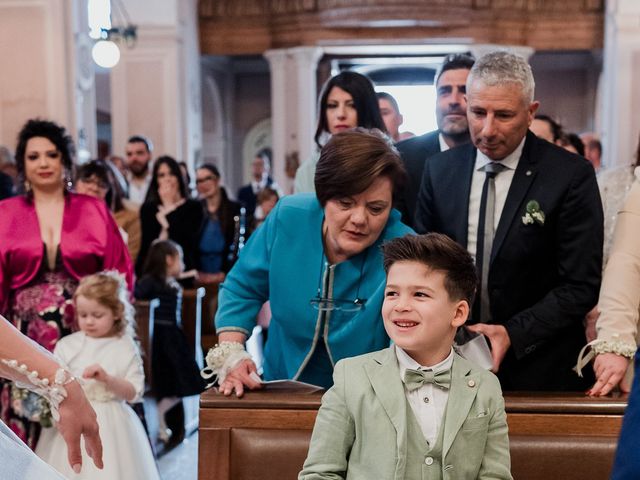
(425, 399)
(428, 461)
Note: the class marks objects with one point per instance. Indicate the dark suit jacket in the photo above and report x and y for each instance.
(248, 199)
(6, 186)
(543, 279)
(414, 152)
(627, 462)
(184, 229)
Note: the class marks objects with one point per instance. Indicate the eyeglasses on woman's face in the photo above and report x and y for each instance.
(204, 179)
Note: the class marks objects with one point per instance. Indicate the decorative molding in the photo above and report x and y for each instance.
(254, 26)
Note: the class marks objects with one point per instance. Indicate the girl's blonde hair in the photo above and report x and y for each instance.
(109, 289)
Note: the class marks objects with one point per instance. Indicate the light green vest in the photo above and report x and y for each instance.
(424, 461)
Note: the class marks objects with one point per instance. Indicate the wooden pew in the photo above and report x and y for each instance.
(265, 435)
(564, 435)
(144, 330)
(209, 308)
(192, 320)
(192, 327)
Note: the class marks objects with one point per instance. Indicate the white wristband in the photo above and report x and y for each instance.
(54, 392)
(221, 359)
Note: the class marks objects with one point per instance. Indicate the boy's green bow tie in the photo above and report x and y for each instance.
(416, 378)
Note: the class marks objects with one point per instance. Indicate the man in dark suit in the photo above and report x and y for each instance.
(453, 130)
(6, 186)
(247, 194)
(537, 209)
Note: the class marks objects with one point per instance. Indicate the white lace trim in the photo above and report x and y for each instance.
(221, 359)
(54, 392)
(599, 346)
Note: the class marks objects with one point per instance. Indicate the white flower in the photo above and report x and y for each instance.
(527, 219)
(539, 217)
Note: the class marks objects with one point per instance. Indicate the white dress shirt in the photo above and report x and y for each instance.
(443, 145)
(502, 182)
(138, 191)
(429, 401)
(257, 187)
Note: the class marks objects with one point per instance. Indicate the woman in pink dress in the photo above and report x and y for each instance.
(49, 239)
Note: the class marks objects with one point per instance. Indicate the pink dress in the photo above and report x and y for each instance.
(38, 300)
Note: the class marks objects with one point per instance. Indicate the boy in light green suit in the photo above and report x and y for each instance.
(416, 410)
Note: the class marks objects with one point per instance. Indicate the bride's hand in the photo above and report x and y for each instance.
(610, 369)
(77, 418)
(245, 374)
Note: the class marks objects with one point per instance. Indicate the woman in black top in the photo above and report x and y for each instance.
(168, 213)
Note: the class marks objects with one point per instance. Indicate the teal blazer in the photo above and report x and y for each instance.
(283, 262)
(361, 429)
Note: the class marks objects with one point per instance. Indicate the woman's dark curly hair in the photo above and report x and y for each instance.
(53, 132)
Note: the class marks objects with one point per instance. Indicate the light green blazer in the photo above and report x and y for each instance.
(361, 429)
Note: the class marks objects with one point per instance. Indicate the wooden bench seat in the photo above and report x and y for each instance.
(266, 435)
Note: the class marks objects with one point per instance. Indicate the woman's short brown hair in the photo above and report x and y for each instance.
(351, 161)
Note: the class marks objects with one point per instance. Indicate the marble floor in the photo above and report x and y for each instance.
(181, 463)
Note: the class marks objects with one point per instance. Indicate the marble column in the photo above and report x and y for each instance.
(619, 94)
(306, 62)
(39, 69)
(281, 122)
(293, 105)
(155, 88)
(84, 86)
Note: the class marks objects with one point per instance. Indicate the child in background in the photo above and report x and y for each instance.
(415, 410)
(175, 373)
(104, 354)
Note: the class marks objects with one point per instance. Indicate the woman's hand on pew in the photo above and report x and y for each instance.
(245, 374)
(610, 369)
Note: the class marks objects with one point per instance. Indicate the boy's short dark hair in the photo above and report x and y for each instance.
(438, 252)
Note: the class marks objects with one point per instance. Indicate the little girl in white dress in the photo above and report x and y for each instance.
(104, 354)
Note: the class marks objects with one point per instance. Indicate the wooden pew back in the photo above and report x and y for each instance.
(144, 330)
(209, 308)
(266, 435)
(192, 320)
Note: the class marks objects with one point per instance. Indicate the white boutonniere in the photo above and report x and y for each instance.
(533, 214)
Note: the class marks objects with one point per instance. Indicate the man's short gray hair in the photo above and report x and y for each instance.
(501, 68)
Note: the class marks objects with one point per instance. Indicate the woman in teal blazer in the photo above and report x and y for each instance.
(317, 260)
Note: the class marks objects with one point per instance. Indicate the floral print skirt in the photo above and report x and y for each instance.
(42, 310)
